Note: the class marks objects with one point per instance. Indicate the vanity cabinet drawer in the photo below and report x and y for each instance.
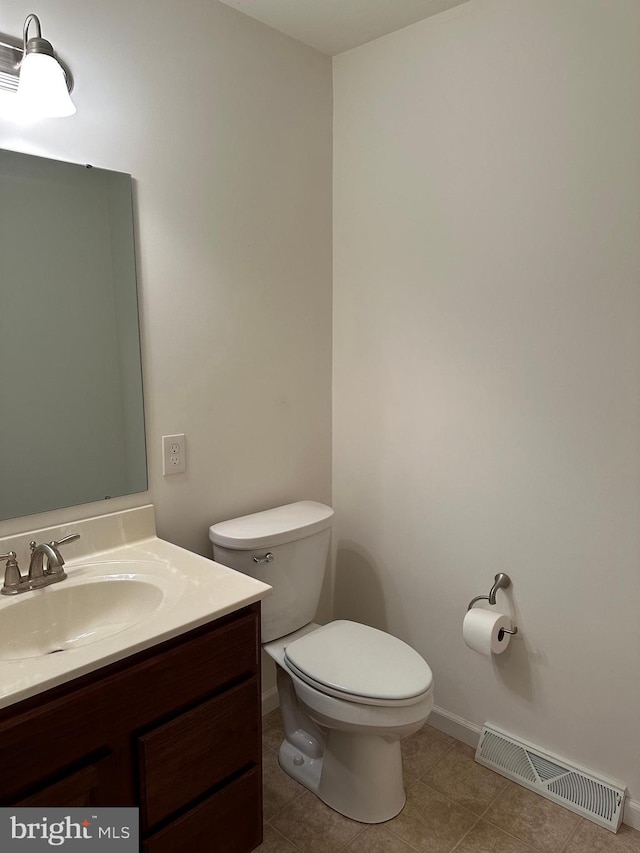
(190, 671)
(229, 821)
(186, 757)
(82, 788)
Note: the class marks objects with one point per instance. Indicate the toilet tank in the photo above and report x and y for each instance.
(297, 535)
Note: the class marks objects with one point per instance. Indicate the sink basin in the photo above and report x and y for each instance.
(126, 592)
(76, 613)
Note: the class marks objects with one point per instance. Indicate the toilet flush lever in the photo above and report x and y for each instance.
(268, 558)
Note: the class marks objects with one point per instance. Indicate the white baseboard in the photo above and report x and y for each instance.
(631, 815)
(457, 727)
(270, 701)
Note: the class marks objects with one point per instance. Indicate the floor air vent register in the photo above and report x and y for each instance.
(552, 777)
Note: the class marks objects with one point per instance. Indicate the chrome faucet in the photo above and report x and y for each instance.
(55, 560)
(39, 574)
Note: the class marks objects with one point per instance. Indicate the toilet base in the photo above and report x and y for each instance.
(348, 754)
(300, 767)
(359, 775)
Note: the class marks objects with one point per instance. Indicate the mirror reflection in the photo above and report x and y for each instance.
(72, 423)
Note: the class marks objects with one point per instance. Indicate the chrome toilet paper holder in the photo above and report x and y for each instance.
(501, 581)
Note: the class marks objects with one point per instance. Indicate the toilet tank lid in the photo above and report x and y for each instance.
(272, 527)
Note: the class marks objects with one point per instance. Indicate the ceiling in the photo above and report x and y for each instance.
(332, 26)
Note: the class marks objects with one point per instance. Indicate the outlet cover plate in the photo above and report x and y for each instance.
(174, 458)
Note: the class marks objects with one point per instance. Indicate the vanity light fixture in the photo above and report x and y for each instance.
(34, 75)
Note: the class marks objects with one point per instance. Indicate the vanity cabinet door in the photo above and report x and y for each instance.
(188, 756)
(85, 787)
(229, 821)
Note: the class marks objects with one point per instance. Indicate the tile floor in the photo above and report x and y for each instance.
(453, 804)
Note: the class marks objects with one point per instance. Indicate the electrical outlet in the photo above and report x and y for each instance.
(174, 460)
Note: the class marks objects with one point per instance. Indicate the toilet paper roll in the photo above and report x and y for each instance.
(481, 631)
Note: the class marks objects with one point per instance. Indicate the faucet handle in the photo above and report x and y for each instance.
(12, 576)
(70, 538)
(56, 568)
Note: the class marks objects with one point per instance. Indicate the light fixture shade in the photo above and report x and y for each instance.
(42, 87)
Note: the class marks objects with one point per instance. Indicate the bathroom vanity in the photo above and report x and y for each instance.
(163, 714)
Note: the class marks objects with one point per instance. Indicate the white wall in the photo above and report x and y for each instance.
(225, 125)
(487, 358)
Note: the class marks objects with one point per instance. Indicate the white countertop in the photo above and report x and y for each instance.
(196, 590)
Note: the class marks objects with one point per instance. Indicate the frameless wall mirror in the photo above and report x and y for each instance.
(72, 420)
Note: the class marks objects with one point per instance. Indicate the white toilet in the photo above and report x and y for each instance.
(348, 693)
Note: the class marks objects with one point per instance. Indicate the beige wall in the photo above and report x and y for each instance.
(225, 125)
(487, 358)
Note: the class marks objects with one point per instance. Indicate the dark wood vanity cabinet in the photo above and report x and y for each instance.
(174, 730)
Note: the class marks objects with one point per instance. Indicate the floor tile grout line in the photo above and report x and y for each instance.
(441, 736)
(288, 840)
(362, 828)
(575, 829)
(404, 840)
(449, 800)
(522, 841)
(452, 746)
(496, 798)
(286, 806)
(437, 761)
(460, 840)
(510, 834)
(478, 817)
(351, 840)
(500, 829)
(482, 815)
(442, 757)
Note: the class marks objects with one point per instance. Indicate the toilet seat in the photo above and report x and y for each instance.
(359, 664)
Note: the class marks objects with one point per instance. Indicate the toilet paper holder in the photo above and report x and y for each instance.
(501, 581)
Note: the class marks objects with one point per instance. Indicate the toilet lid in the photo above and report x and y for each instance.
(356, 659)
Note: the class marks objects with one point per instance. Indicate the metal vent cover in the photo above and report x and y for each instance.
(554, 778)
(10, 57)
